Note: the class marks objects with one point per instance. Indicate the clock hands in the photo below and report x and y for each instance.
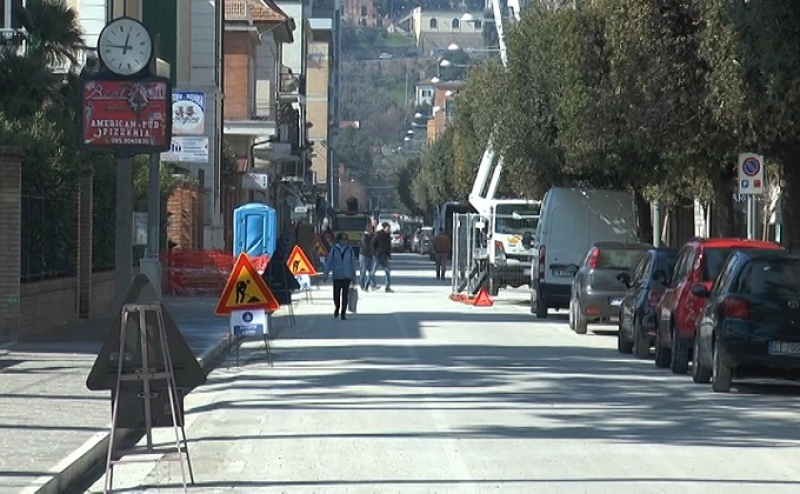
(127, 46)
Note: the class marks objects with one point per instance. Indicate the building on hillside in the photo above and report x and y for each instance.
(443, 107)
(435, 30)
(424, 92)
(360, 13)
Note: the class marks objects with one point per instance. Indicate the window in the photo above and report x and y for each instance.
(434, 24)
(478, 25)
(641, 270)
(363, 11)
(675, 276)
(455, 24)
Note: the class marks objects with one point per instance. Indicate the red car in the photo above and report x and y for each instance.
(699, 262)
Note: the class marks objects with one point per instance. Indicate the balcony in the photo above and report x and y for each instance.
(290, 87)
(238, 11)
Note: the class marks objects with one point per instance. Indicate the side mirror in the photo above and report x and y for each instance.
(660, 275)
(625, 279)
(700, 291)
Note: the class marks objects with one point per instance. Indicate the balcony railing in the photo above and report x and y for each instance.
(238, 10)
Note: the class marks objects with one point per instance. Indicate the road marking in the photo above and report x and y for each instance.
(458, 466)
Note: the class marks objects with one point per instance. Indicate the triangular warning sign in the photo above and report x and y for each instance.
(299, 264)
(245, 289)
(319, 247)
(483, 299)
(188, 373)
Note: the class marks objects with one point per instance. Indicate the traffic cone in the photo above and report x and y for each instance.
(483, 299)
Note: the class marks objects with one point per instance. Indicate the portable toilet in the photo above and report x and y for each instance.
(254, 230)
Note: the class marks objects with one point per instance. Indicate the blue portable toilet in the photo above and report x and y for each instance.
(254, 230)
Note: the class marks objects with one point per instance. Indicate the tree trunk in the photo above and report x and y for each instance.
(645, 218)
(723, 206)
(790, 159)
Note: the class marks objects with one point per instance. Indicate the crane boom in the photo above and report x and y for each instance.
(480, 202)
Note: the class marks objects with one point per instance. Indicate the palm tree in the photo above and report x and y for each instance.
(27, 75)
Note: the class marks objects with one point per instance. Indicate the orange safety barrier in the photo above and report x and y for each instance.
(200, 272)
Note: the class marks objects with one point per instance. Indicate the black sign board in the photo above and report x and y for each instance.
(280, 279)
(187, 371)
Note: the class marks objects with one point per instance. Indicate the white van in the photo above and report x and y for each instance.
(571, 220)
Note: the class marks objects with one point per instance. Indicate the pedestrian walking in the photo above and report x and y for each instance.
(441, 249)
(366, 271)
(382, 252)
(341, 264)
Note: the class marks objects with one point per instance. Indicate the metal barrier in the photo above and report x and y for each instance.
(469, 266)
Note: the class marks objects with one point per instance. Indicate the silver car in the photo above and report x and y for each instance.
(596, 290)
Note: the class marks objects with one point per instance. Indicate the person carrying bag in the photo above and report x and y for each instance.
(341, 264)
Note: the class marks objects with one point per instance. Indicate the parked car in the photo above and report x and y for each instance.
(570, 221)
(699, 262)
(416, 241)
(398, 242)
(637, 314)
(750, 325)
(426, 241)
(597, 291)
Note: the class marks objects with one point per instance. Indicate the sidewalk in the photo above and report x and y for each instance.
(342, 410)
(51, 427)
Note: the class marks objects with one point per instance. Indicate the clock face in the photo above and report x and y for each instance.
(124, 46)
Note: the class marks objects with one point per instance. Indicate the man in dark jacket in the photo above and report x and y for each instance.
(382, 252)
(366, 263)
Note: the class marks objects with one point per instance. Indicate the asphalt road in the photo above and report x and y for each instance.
(417, 393)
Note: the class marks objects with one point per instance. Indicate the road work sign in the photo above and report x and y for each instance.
(245, 289)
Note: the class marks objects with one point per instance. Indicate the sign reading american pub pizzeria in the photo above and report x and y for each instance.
(126, 117)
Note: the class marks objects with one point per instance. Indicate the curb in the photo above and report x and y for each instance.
(81, 462)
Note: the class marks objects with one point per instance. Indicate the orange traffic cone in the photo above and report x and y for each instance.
(483, 299)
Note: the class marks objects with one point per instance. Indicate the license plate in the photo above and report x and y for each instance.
(783, 348)
(615, 301)
(560, 273)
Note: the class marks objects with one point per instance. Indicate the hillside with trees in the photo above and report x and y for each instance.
(655, 97)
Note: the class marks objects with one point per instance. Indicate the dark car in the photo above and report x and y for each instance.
(750, 325)
(699, 262)
(597, 292)
(637, 314)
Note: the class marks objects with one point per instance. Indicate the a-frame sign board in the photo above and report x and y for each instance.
(245, 289)
(103, 376)
(299, 264)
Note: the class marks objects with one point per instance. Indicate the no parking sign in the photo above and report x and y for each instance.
(751, 174)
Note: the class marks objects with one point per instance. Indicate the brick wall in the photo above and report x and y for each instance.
(10, 242)
(237, 85)
(185, 210)
(47, 305)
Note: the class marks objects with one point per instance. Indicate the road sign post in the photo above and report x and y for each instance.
(750, 171)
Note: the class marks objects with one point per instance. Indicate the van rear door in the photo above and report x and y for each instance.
(566, 243)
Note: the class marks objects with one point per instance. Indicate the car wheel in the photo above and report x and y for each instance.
(581, 324)
(662, 354)
(701, 374)
(679, 361)
(623, 344)
(571, 315)
(721, 374)
(538, 307)
(641, 343)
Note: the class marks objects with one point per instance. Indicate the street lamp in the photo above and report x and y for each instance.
(437, 109)
(448, 63)
(418, 115)
(435, 80)
(468, 18)
(454, 46)
(410, 132)
(448, 93)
